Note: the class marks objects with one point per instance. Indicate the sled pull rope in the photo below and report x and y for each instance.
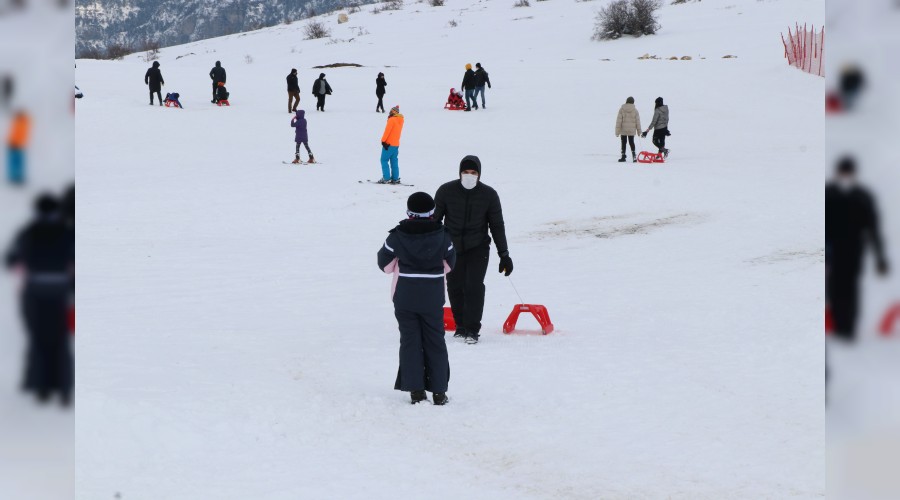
(521, 301)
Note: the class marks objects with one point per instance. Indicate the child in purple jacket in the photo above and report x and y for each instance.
(300, 136)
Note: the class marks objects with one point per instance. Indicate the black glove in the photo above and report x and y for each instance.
(489, 85)
(385, 145)
(506, 264)
(644, 134)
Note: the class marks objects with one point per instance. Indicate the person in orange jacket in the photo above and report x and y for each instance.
(18, 140)
(390, 142)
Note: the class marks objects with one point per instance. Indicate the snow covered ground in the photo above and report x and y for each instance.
(236, 339)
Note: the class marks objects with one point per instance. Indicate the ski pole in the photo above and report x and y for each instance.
(521, 301)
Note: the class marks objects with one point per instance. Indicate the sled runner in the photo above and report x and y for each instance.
(648, 157)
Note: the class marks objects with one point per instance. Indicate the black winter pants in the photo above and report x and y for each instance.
(842, 290)
(49, 366)
(659, 137)
(630, 139)
(380, 105)
(465, 287)
(215, 87)
(306, 145)
(424, 364)
(320, 102)
(158, 96)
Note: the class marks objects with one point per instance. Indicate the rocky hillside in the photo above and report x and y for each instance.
(133, 24)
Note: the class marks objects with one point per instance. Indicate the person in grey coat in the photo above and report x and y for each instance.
(660, 126)
(419, 252)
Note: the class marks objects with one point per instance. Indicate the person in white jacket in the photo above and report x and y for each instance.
(628, 124)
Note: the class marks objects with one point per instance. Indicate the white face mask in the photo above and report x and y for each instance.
(845, 182)
(469, 180)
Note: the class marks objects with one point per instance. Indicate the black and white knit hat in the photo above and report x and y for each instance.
(420, 206)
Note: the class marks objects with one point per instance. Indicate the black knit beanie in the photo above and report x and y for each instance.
(659, 101)
(470, 162)
(420, 206)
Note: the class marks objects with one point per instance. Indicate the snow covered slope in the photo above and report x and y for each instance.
(237, 340)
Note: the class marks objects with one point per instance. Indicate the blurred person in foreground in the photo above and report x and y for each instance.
(44, 253)
(851, 224)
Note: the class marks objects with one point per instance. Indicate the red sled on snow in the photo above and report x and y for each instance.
(223, 102)
(538, 311)
(648, 157)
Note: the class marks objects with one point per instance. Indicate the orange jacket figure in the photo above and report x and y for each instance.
(19, 132)
(393, 128)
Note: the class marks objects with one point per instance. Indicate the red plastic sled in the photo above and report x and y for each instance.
(170, 103)
(538, 311)
(890, 319)
(449, 322)
(648, 157)
(455, 107)
(224, 102)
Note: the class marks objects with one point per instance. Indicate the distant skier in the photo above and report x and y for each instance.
(293, 90)
(418, 252)
(154, 79)
(628, 123)
(301, 136)
(44, 251)
(660, 126)
(851, 224)
(380, 84)
(17, 143)
(390, 144)
(468, 85)
(217, 74)
(468, 208)
(481, 78)
(222, 93)
(320, 89)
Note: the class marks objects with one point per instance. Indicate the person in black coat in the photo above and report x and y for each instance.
(418, 252)
(468, 84)
(380, 84)
(320, 90)
(45, 252)
(468, 208)
(154, 79)
(293, 89)
(481, 78)
(217, 74)
(851, 224)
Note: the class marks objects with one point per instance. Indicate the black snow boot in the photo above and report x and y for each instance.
(622, 159)
(472, 337)
(633, 157)
(417, 396)
(440, 398)
(460, 333)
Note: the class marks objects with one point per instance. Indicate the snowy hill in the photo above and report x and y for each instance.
(237, 340)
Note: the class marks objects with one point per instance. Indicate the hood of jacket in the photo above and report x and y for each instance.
(300, 114)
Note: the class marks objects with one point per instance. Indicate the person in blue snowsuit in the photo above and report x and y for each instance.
(173, 97)
(419, 252)
(301, 136)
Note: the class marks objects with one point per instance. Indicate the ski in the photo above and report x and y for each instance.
(387, 184)
(301, 163)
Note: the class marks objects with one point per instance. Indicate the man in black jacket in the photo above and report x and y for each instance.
(293, 88)
(468, 84)
(153, 78)
(320, 90)
(218, 75)
(851, 221)
(468, 209)
(418, 252)
(45, 251)
(481, 78)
